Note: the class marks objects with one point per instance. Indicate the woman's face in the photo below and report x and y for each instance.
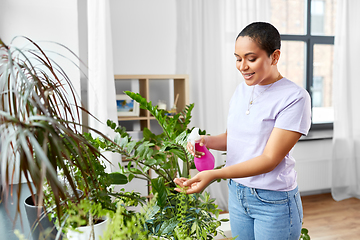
(254, 63)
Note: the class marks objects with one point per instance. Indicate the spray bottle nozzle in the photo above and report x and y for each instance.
(194, 136)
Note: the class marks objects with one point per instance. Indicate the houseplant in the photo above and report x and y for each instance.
(86, 220)
(178, 214)
(40, 120)
(41, 131)
(101, 201)
(133, 228)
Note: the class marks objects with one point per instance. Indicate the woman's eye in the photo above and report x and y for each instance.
(252, 59)
(238, 60)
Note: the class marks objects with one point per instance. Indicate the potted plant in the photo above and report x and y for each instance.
(41, 132)
(178, 214)
(98, 205)
(86, 220)
(122, 227)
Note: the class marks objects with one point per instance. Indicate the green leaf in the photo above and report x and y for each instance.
(168, 226)
(178, 153)
(117, 139)
(166, 165)
(194, 227)
(159, 188)
(150, 213)
(134, 171)
(131, 177)
(304, 231)
(124, 141)
(130, 146)
(224, 220)
(148, 134)
(118, 178)
(145, 169)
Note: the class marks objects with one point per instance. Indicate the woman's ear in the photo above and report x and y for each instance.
(275, 57)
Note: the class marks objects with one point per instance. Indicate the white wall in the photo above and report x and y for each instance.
(144, 36)
(43, 20)
(313, 165)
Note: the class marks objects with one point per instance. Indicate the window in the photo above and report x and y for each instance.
(307, 33)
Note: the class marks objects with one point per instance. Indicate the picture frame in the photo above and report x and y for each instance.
(126, 107)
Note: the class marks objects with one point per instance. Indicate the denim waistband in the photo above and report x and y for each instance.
(252, 189)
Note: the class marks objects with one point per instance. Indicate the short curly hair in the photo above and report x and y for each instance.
(264, 34)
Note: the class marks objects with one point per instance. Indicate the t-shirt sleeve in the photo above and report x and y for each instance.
(296, 115)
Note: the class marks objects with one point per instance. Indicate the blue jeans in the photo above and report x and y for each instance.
(263, 214)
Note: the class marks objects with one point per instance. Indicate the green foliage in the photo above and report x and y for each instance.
(157, 152)
(101, 182)
(304, 234)
(40, 117)
(94, 190)
(80, 213)
(177, 216)
(130, 229)
(193, 216)
(122, 224)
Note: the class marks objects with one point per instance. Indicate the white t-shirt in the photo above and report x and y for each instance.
(284, 105)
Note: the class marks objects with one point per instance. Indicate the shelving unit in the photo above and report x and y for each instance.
(153, 88)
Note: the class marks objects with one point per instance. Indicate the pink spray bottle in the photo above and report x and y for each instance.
(205, 162)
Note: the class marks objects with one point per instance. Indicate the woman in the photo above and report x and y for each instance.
(267, 116)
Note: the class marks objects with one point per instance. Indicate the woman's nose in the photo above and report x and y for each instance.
(243, 66)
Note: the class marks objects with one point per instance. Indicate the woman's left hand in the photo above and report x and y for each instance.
(195, 184)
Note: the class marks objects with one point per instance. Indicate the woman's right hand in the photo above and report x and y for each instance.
(191, 149)
(195, 184)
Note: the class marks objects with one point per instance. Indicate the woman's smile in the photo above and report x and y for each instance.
(248, 76)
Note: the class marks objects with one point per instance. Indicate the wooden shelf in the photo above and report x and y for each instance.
(150, 87)
(133, 118)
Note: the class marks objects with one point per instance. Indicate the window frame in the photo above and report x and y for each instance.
(310, 41)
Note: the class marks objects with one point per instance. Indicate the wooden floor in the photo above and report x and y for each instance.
(327, 219)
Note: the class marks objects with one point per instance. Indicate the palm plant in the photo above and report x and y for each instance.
(40, 123)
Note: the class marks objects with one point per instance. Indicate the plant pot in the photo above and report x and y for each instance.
(84, 232)
(43, 229)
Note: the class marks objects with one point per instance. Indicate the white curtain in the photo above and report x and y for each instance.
(346, 99)
(206, 33)
(101, 87)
